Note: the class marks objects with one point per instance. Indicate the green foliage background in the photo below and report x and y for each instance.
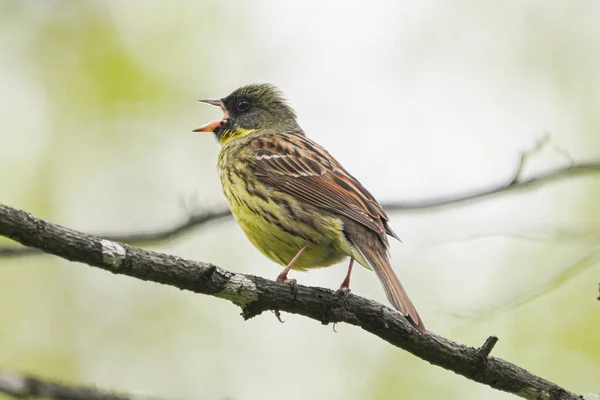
(98, 102)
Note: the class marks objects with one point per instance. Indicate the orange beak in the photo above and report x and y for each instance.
(208, 127)
(212, 125)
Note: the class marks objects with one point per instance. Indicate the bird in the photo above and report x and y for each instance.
(293, 200)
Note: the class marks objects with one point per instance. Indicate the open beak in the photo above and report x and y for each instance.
(212, 125)
(216, 103)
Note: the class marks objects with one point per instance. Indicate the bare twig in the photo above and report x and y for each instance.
(539, 145)
(139, 238)
(487, 347)
(255, 295)
(25, 387)
(520, 184)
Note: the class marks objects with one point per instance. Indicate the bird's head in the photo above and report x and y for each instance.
(256, 108)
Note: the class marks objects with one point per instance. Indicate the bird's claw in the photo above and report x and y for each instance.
(343, 290)
(284, 279)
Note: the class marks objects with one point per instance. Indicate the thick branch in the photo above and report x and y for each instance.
(25, 387)
(255, 295)
(514, 183)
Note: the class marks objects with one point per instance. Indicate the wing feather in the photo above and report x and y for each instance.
(301, 168)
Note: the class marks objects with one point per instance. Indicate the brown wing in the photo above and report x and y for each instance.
(296, 165)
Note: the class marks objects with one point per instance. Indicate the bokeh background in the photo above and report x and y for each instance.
(418, 99)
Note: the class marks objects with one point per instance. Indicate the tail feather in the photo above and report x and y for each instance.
(394, 290)
(370, 248)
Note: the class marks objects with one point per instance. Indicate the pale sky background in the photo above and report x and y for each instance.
(417, 99)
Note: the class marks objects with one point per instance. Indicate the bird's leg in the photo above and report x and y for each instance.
(282, 277)
(345, 286)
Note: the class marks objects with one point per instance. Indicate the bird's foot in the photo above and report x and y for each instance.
(343, 290)
(345, 286)
(282, 278)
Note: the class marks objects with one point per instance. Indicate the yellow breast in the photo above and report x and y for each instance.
(275, 222)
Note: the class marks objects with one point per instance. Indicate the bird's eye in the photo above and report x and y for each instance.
(243, 105)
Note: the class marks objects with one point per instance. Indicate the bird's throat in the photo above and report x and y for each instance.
(225, 135)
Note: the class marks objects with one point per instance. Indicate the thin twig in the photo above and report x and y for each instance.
(25, 387)
(255, 295)
(487, 347)
(139, 238)
(530, 183)
(525, 155)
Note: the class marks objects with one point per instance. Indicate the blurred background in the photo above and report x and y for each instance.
(418, 99)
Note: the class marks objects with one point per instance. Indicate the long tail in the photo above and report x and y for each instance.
(394, 290)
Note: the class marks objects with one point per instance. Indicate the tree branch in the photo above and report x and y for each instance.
(514, 183)
(25, 387)
(138, 238)
(255, 295)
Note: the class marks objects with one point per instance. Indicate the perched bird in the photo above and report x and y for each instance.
(292, 199)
